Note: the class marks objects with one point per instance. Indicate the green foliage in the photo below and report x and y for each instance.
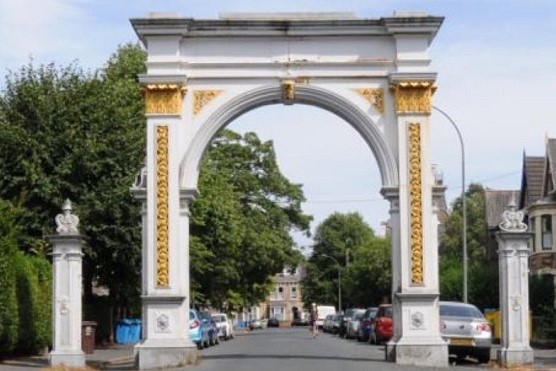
(77, 135)
(345, 242)
(482, 275)
(25, 284)
(9, 320)
(34, 289)
(241, 223)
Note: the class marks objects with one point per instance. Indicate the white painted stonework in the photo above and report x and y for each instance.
(67, 286)
(219, 69)
(513, 258)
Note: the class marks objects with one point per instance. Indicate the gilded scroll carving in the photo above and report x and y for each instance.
(374, 96)
(415, 203)
(413, 96)
(163, 99)
(162, 276)
(202, 97)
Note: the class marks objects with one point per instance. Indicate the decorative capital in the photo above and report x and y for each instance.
(374, 96)
(202, 97)
(288, 91)
(413, 96)
(66, 223)
(163, 99)
(512, 220)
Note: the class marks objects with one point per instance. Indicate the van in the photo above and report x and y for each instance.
(323, 311)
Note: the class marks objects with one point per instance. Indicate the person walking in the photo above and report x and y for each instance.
(314, 318)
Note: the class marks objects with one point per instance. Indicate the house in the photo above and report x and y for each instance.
(538, 201)
(496, 202)
(285, 302)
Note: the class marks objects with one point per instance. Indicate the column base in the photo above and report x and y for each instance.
(165, 353)
(68, 358)
(430, 354)
(515, 357)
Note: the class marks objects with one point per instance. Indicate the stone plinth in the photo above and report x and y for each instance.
(66, 302)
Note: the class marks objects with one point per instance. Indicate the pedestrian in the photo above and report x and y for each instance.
(314, 318)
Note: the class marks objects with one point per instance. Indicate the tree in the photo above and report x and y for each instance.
(482, 275)
(70, 134)
(363, 259)
(241, 223)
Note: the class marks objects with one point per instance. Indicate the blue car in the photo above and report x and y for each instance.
(198, 329)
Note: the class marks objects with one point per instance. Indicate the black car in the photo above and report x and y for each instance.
(273, 322)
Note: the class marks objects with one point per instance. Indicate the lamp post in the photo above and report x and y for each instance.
(464, 210)
(339, 281)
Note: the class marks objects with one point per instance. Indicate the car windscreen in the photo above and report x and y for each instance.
(218, 318)
(460, 311)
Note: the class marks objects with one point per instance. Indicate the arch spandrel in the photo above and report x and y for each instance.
(227, 111)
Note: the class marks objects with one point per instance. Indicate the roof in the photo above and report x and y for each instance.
(531, 180)
(496, 201)
(550, 180)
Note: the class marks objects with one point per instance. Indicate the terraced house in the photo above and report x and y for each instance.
(538, 201)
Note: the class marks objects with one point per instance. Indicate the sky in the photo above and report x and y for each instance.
(496, 65)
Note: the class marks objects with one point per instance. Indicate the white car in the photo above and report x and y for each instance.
(224, 324)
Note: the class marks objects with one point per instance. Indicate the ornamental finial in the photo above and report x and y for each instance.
(512, 220)
(66, 223)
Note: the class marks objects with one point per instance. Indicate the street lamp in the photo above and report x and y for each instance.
(339, 281)
(464, 216)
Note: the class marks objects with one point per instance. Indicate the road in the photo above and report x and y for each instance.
(277, 349)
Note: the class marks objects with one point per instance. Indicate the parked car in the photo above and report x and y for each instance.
(353, 323)
(365, 327)
(336, 323)
(346, 317)
(212, 328)
(224, 324)
(255, 324)
(328, 323)
(198, 329)
(323, 311)
(382, 326)
(299, 322)
(466, 330)
(273, 322)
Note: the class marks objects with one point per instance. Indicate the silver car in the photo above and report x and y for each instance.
(466, 330)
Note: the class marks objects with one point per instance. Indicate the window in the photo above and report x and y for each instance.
(280, 292)
(277, 312)
(534, 231)
(293, 292)
(546, 230)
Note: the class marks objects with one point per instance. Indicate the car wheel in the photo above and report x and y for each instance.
(484, 356)
(199, 345)
(216, 341)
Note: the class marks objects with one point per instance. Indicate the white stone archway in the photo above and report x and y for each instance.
(373, 73)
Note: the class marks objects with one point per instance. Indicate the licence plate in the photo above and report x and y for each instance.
(460, 341)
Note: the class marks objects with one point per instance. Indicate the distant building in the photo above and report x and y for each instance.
(538, 200)
(285, 302)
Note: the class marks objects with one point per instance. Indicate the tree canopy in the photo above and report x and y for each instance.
(346, 243)
(241, 223)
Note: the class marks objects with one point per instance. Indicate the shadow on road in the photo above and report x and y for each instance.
(287, 356)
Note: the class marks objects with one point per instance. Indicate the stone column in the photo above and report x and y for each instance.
(66, 289)
(165, 289)
(513, 255)
(417, 340)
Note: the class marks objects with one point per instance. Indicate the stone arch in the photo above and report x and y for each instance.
(304, 94)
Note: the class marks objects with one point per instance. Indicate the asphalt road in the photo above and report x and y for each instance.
(278, 349)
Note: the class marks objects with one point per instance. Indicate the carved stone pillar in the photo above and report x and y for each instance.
(67, 285)
(417, 339)
(513, 255)
(165, 341)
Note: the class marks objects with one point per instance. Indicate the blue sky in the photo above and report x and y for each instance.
(496, 64)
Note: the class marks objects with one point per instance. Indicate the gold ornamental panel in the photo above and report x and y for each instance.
(163, 99)
(413, 96)
(415, 203)
(162, 275)
(202, 97)
(374, 96)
